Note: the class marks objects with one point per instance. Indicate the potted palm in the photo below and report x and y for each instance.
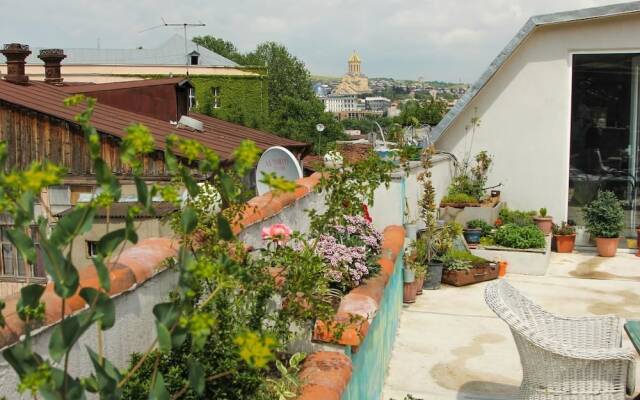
(565, 237)
(604, 218)
(544, 222)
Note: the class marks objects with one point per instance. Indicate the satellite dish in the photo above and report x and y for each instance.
(280, 161)
(320, 127)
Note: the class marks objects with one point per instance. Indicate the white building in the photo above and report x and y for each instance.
(377, 104)
(340, 103)
(559, 112)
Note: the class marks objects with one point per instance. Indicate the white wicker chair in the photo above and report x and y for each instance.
(563, 357)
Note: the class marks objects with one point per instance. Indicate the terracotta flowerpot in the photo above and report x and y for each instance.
(607, 246)
(565, 243)
(419, 283)
(544, 223)
(502, 268)
(409, 293)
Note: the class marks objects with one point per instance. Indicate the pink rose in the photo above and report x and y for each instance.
(279, 232)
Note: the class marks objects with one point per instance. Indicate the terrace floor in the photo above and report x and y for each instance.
(450, 345)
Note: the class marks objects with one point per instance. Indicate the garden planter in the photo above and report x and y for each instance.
(472, 235)
(412, 231)
(419, 284)
(607, 246)
(434, 276)
(565, 243)
(408, 276)
(470, 276)
(544, 223)
(409, 293)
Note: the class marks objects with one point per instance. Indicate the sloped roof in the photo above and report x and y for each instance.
(170, 52)
(518, 39)
(220, 136)
(100, 87)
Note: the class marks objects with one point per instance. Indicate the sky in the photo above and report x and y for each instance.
(449, 40)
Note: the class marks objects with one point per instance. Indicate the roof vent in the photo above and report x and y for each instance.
(192, 123)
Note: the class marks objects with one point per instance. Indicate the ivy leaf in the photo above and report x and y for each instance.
(224, 228)
(64, 275)
(75, 223)
(103, 272)
(109, 242)
(29, 300)
(102, 306)
(23, 243)
(107, 377)
(189, 220)
(196, 376)
(159, 391)
(65, 334)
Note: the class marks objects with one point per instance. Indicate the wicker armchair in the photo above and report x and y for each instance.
(562, 357)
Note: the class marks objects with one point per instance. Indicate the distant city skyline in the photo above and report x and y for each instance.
(452, 40)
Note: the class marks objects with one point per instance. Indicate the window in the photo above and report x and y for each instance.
(92, 248)
(193, 102)
(194, 60)
(11, 263)
(215, 97)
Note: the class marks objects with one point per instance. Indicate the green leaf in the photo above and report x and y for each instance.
(29, 300)
(170, 160)
(75, 223)
(159, 391)
(24, 209)
(23, 243)
(64, 275)
(109, 242)
(189, 220)
(21, 358)
(189, 182)
(102, 305)
(164, 337)
(130, 229)
(196, 376)
(224, 228)
(167, 315)
(61, 388)
(65, 334)
(107, 377)
(143, 193)
(103, 272)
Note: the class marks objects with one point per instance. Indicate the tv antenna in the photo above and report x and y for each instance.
(184, 26)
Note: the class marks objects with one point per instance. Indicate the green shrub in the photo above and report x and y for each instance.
(604, 216)
(516, 217)
(480, 224)
(564, 229)
(519, 237)
(458, 198)
(464, 255)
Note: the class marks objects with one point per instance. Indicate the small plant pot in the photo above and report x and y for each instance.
(502, 268)
(434, 276)
(565, 243)
(408, 276)
(411, 230)
(409, 293)
(607, 246)
(545, 224)
(419, 284)
(472, 235)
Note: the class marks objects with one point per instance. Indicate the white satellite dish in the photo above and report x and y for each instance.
(280, 161)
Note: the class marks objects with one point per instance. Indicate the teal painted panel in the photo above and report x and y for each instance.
(371, 361)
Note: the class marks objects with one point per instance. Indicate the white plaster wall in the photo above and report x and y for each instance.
(525, 111)
(133, 332)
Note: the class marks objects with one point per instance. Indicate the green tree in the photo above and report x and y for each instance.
(220, 46)
(429, 111)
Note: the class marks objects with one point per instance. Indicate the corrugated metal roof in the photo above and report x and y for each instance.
(220, 136)
(170, 52)
(523, 33)
(119, 210)
(99, 87)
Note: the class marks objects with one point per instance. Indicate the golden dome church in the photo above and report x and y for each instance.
(353, 82)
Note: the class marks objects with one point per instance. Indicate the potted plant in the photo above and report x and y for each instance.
(544, 222)
(409, 288)
(476, 228)
(604, 218)
(463, 268)
(411, 223)
(565, 237)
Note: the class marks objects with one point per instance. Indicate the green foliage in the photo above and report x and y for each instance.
(564, 229)
(223, 47)
(427, 111)
(516, 217)
(287, 385)
(604, 216)
(458, 198)
(543, 212)
(519, 237)
(480, 224)
(471, 180)
(464, 255)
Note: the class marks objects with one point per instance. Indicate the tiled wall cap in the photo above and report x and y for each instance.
(325, 375)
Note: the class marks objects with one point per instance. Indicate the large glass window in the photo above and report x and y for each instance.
(604, 132)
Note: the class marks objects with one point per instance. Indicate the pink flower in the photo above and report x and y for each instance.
(277, 232)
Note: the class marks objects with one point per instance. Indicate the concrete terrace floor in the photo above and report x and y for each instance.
(450, 345)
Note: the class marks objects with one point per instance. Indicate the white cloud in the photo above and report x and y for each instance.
(437, 39)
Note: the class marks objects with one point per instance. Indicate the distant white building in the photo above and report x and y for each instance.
(377, 104)
(340, 103)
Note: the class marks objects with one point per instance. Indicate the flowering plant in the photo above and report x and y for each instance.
(350, 251)
(279, 233)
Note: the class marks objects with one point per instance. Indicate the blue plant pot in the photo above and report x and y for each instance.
(472, 236)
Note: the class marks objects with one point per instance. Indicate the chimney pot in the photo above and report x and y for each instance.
(16, 55)
(52, 59)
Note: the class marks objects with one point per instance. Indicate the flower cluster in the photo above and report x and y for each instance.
(279, 233)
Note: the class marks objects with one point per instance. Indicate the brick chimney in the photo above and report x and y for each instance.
(52, 59)
(16, 55)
